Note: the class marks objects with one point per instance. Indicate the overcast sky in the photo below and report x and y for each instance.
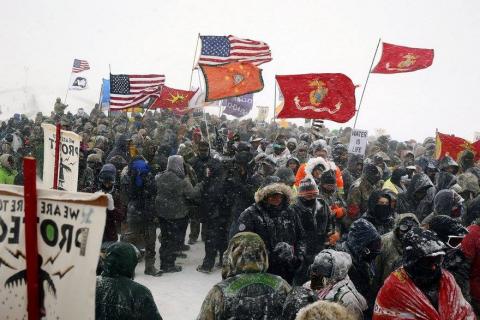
(40, 39)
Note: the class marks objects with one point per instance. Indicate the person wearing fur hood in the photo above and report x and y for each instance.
(330, 281)
(279, 227)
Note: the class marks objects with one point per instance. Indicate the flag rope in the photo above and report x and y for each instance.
(366, 82)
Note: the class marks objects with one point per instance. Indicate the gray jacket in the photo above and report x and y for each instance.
(174, 191)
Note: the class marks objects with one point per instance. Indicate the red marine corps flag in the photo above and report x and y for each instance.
(329, 96)
(396, 59)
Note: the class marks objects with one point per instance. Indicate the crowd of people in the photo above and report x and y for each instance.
(300, 228)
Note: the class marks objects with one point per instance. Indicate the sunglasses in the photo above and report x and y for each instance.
(454, 241)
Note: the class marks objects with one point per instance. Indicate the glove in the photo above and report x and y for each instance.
(284, 252)
(353, 210)
(333, 238)
(110, 205)
(338, 211)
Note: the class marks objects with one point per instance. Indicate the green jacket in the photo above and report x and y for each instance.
(7, 176)
(117, 296)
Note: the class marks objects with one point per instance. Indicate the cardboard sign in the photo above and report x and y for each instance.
(358, 142)
(70, 230)
(262, 113)
(69, 158)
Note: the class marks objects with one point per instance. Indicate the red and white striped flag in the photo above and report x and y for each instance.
(224, 49)
(80, 65)
(128, 90)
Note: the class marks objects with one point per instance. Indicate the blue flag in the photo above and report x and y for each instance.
(105, 101)
(238, 106)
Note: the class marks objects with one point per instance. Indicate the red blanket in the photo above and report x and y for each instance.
(399, 298)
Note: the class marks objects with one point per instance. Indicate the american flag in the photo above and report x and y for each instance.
(80, 65)
(220, 49)
(128, 90)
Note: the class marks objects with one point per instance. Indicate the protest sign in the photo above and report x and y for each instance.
(70, 230)
(262, 113)
(358, 142)
(69, 158)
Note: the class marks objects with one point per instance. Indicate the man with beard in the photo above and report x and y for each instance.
(422, 289)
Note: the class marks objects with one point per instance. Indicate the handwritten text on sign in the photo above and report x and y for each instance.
(358, 141)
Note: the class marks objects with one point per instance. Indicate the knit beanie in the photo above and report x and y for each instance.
(307, 187)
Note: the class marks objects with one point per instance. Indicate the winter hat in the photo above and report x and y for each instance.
(419, 243)
(307, 187)
(324, 310)
(108, 172)
(445, 226)
(286, 175)
(328, 177)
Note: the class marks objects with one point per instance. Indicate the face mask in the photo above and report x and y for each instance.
(316, 282)
(308, 203)
(383, 212)
(427, 270)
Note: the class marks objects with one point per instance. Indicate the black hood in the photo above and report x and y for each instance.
(444, 201)
(373, 199)
(445, 226)
(121, 143)
(362, 232)
(419, 182)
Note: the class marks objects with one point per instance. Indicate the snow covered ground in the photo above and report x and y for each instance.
(180, 295)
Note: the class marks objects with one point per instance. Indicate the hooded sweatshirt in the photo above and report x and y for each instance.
(117, 296)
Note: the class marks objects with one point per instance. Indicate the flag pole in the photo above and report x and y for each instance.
(366, 82)
(193, 63)
(68, 88)
(275, 100)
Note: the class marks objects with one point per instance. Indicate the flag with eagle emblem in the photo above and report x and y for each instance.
(328, 96)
